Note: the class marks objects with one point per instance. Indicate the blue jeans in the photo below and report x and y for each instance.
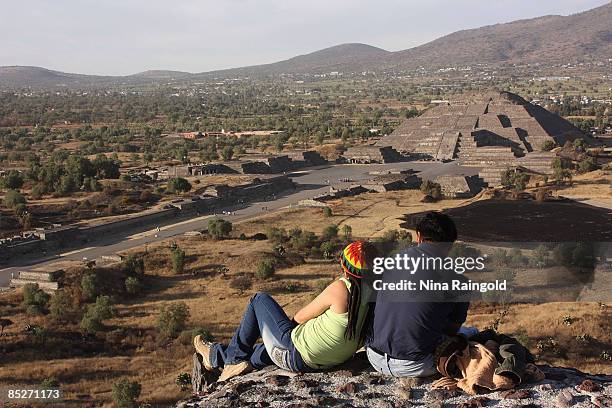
(265, 319)
(426, 367)
(401, 368)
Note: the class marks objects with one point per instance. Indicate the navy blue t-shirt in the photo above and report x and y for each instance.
(407, 329)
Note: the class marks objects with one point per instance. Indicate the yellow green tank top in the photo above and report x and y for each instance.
(321, 340)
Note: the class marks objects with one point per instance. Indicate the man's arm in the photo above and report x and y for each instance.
(456, 318)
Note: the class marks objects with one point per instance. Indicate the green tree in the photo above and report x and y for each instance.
(172, 320)
(12, 180)
(178, 185)
(347, 232)
(330, 232)
(132, 285)
(89, 287)
(134, 265)
(517, 180)
(327, 211)
(218, 228)
(96, 313)
(105, 167)
(328, 248)
(227, 153)
(61, 306)
(579, 144)
(125, 393)
(12, 198)
(34, 299)
(177, 256)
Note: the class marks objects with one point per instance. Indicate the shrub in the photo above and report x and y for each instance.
(516, 258)
(183, 380)
(34, 310)
(96, 313)
(12, 198)
(227, 153)
(583, 255)
(499, 257)
(548, 145)
(49, 383)
(178, 185)
(328, 248)
(432, 189)
(330, 232)
(586, 165)
(125, 393)
(292, 287)
(241, 283)
(327, 212)
(60, 306)
(517, 180)
(12, 180)
(37, 191)
(276, 235)
(306, 240)
(172, 320)
(540, 257)
(186, 336)
(132, 285)
(89, 286)
(265, 269)
(34, 296)
(579, 144)
(177, 256)
(219, 228)
(134, 265)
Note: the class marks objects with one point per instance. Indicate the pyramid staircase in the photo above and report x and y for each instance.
(539, 162)
(471, 155)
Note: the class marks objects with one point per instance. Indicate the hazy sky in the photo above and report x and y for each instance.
(127, 36)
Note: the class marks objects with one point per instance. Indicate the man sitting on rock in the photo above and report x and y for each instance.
(409, 325)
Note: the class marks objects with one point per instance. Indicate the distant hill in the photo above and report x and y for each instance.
(549, 39)
(345, 57)
(36, 76)
(544, 39)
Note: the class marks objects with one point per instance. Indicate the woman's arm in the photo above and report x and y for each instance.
(334, 297)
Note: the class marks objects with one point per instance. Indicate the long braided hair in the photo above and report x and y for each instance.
(356, 261)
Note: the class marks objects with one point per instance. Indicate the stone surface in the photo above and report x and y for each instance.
(477, 402)
(352, 387)
(589, 385)
(515, 394)
(348, 388)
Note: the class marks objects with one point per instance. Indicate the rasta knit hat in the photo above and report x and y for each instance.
(353, 259)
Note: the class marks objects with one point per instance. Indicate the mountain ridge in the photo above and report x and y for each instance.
(552, 38)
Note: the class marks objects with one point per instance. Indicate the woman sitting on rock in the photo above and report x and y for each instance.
(324, 333)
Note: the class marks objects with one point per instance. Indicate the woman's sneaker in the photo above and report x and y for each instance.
(203, 348)
(234, 370)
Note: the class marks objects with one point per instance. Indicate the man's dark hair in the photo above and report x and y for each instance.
(436, 227)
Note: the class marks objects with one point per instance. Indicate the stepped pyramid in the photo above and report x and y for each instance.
(493, 131)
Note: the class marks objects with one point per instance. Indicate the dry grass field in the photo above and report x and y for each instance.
(129, 347)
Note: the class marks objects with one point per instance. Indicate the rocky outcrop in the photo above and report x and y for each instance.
(356, 384)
